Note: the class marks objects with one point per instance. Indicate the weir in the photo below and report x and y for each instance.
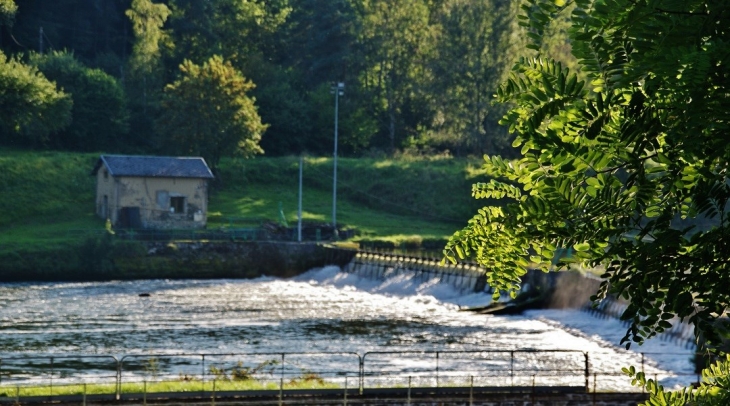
(568, 289)
(373, 265)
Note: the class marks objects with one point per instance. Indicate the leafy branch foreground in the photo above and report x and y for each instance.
(712, 391)
(627, 163)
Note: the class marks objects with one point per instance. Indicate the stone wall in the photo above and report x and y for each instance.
(240, 259)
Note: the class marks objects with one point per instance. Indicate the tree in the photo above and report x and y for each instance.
(207, 112)
(99, 117)
(394, 40)
(629, 168)
(320, 38)
(31, 107)
(234, 29)
(146, 73)
(8, 8)
(91, 28)
(474, 50)
(285, 109)
(147, 21)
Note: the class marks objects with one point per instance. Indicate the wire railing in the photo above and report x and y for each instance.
(130, 375)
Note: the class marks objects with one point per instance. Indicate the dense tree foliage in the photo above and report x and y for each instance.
(31, 107)
(98, 116)
(471, 59)
(7, 12)
(628, 168)
(419, 74)
(207, 112)
(145, 76)
(396, 40)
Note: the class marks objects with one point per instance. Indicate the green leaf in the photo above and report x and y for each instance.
(582, 247)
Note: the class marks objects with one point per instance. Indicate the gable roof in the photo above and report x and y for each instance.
(154, 166)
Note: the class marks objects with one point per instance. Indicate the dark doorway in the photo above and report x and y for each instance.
(129, 217)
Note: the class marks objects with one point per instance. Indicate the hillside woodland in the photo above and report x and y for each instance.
(221, 77)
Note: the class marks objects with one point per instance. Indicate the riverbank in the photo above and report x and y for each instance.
(106, 258)
(48, 225)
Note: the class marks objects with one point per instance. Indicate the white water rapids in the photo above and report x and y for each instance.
(323, 310)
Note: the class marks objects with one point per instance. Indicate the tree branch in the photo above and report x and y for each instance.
(661, 10)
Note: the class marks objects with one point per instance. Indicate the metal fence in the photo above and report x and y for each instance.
(149, 235)
(116, 376)
(234, 229)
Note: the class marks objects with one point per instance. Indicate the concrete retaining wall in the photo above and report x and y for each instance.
(240, 259)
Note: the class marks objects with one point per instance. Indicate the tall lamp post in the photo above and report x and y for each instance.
(339, 90)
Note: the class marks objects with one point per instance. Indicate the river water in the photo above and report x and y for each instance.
(325, 310)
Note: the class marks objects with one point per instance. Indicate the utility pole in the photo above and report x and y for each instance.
(40, 41)
(339, 90)
(299, 216)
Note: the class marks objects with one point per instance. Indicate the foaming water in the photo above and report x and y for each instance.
(323, 310)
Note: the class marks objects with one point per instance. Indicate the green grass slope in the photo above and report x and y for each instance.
(44, 197)
(385, 199)
(47, 198)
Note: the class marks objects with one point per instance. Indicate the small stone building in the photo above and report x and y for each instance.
(152, 191)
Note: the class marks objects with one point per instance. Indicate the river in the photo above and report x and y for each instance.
(324, 310)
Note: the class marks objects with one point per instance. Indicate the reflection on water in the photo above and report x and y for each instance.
(323, 310)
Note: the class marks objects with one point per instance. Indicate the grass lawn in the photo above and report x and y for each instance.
(162, 386)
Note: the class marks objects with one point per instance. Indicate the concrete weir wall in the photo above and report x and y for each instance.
(566, 290)
(380, 266)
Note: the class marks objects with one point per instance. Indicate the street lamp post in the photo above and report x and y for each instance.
(338, 90)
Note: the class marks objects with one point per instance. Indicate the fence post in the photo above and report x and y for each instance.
(362, 373)
(587, 370)
(51, 376)
(84, 404)
(512, 368)
(642, 362)
(409, 391)
(345, 400)
(119, 379)
(212, 397)
(281, 391)
(533, 384)
(471, 390)
(437, 369)
(595, 382)
(144, 392)
(282, 367)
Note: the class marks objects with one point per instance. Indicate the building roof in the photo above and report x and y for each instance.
(154, 166)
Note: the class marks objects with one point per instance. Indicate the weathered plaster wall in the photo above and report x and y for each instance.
(105, 187)
(152, 196)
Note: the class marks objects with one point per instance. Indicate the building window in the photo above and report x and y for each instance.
(177, 204)
(162, 199)
(106, 175)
